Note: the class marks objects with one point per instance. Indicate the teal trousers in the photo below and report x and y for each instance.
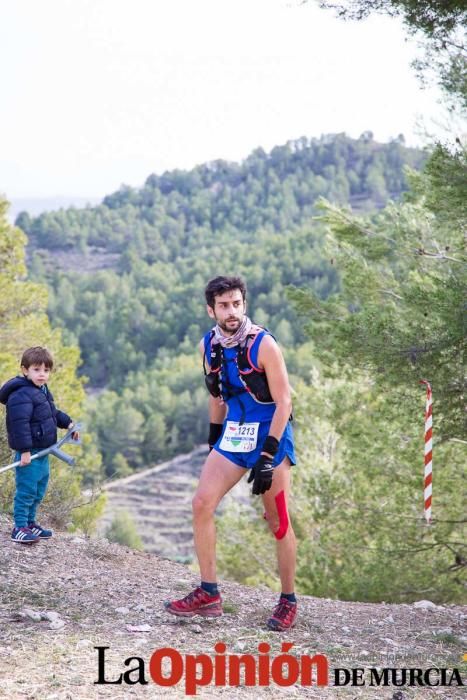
(31, 485)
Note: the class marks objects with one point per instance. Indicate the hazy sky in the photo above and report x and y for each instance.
(96, 93)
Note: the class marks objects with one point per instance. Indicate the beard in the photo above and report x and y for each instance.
(231, 326)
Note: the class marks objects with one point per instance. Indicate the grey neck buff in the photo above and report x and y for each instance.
(229, 341)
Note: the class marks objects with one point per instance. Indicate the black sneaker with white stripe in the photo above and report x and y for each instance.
(23, 535)
(40, 531)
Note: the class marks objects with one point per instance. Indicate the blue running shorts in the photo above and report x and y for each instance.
(249, 459)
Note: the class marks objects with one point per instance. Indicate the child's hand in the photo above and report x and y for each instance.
(75, 434)
(25, 458)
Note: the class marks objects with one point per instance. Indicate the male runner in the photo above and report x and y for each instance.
(250, 431)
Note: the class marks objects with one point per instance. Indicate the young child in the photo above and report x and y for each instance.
(31, 420)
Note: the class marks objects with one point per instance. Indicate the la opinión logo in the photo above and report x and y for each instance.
(168, 667)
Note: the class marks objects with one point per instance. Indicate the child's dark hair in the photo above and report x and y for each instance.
(37, 356)
(219, 285)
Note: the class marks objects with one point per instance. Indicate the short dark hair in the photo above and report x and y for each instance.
(37, 356)
(220, 285)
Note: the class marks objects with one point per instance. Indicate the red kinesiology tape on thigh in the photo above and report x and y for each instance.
(281, 506)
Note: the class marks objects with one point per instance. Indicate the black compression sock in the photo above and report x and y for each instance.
(289, 596)
(210, 588)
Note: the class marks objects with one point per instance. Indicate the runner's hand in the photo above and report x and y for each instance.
(261, 475)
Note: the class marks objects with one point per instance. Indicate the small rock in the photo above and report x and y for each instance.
(50, 615)
(139, 608)
(82, 643)
(424, 605)
(445, 630)
(76, 680)
(32, 614)
(346, 629)
(18, 615)
(57, 625)
(78, 540)
(389, 641)
(197, 629)
(138, 628)
(122, 611)
(364, 652)
(139, 642)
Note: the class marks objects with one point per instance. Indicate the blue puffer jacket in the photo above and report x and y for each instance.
(31, 416)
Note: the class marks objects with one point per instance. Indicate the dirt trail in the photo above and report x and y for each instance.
(99, 590)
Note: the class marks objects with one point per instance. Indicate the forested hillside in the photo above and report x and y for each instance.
(138, 320)
(271, 191)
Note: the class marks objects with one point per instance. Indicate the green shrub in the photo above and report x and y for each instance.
(122, 530)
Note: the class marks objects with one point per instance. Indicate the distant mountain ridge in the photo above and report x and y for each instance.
(273, 191)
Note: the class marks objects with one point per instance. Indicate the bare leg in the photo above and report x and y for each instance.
(218, 476)
(287, 546)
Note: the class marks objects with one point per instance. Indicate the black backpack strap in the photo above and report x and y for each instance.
(214, 354)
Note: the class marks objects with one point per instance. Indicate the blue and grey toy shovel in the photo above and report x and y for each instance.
(54, 450)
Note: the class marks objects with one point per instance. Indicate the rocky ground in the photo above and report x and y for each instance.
(59, 599)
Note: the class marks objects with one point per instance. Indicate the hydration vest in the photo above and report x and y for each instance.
(252, 378)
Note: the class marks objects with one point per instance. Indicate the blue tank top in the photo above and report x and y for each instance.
(243, 407)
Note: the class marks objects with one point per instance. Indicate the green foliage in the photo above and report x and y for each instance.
(249, 560)
(400, 313)
(357, 504)
(441, 184)
(120, 467)
(63, 495)
(7, 491)
(122, 530)
(363, 477)
(86, 515)
(434, 19)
